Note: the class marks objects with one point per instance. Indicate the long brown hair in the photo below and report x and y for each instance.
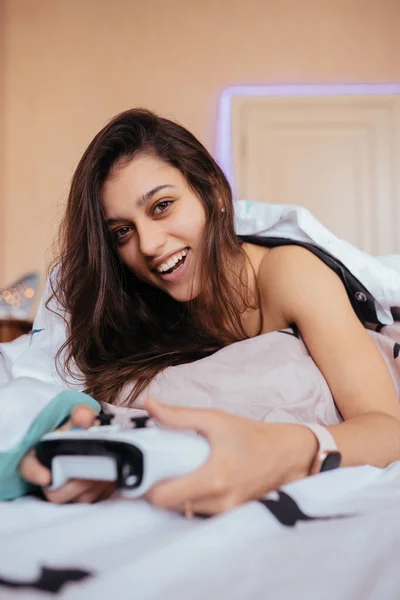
(120, 329)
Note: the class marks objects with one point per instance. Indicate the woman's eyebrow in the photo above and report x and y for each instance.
(142, 200)
(148, 195)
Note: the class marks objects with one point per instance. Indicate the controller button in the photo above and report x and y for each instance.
(139, 422)
(129, 476)
(131, 480)
(104, 418)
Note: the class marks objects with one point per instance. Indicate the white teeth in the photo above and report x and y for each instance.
(172, 261)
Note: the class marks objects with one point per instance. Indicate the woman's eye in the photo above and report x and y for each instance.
(162, 206)
(120, 233)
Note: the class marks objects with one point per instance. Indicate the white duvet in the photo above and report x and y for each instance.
(348, 550)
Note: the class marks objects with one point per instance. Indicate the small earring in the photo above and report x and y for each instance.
(223, 210)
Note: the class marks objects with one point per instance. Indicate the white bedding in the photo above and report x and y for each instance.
(126, 549)
(129, 549)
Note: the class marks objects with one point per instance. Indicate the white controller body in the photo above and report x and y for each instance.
(135, 459)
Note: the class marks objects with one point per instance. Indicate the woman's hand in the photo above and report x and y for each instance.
(75, 490)
(248, 459)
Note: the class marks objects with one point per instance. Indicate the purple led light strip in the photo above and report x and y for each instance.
(223, 145)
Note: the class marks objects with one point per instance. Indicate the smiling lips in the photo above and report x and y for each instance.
(173, 264)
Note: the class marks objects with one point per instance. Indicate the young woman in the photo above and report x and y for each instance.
(152, 274)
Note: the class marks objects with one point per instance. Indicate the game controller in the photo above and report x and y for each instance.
(135, 459)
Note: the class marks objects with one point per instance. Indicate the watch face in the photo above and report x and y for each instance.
(332, 461)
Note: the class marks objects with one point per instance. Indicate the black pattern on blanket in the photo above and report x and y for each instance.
(290, 544)
(271, 377)
(334, 535)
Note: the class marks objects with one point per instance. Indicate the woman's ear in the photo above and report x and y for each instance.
(220, 204)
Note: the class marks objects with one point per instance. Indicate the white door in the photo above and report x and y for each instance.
(338, 156)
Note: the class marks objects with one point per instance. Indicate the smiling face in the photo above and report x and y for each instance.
(157, 222)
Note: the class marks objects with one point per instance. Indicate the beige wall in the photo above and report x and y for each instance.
(2, 129)
(72, 64)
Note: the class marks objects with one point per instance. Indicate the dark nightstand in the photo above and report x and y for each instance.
(13, 328)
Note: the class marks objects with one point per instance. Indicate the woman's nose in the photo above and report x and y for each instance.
(151, 238)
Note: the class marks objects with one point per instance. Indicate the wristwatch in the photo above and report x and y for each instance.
(328, 456)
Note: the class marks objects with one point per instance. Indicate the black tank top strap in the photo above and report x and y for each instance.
(361, 299)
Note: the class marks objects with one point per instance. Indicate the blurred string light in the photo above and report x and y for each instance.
(223, 142)
(17, 300)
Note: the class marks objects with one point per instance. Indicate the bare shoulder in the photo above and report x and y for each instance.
(289, 264)
(291, 277)
(298, 287)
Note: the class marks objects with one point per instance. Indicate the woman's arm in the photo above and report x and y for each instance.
(250, 458)
(300, 287)
(372, 439)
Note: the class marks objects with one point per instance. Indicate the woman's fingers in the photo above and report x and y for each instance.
(33, 471)
(210, 504)
(198, 419)
(75, 490)
(108, 492)
(78, 490)
(173, 493)
(213, 505)
(82, 415)
(83, 491)
(96, 493)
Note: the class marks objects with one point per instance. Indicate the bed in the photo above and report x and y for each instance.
(334, 535)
